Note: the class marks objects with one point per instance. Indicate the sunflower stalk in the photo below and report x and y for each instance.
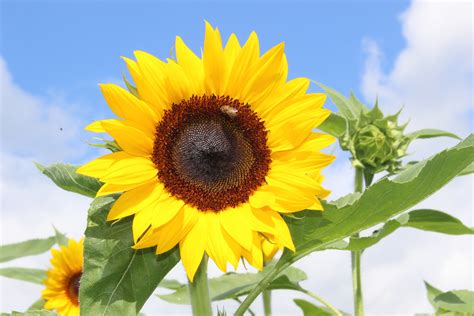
(356, 256)
(267, 302)
(199, 291)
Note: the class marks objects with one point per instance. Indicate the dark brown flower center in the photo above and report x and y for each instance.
(211, 152)
(73, 287)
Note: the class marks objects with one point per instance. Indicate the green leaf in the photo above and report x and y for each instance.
(133, 90)
(233, 285)
(378, 203)
(436, 221)
(38, 305)
(25, 248)
(424, 219)
(117, 280)
(24, 274)
(334, 125)
(61, 239)
(358, 104)
(309, 309)
(432, 292)
(430, 133)
(170, 284)
(461, 301)
(346, 108)
(107, 144)
(468, 170)
(65, 177)
(42, 312)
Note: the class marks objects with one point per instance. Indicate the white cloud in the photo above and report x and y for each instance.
(433, 78)
(32, 126)
(31, 203)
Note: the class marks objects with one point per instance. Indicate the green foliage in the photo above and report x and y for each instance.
(458, 302)
(461, 301)
(65, 177)
(428, 220)
(117, 280)
(61, 239)
(106, 144)
(26, 248)
(376, 142)
(430, 133)
(334, 125)
(41, 312)
(378, 203)
(468, 170)
(37, 305)
(132, 89)
(309, 309)
(24, 274)
(233, 285)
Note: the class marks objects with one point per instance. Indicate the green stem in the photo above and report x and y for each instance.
(267, 302)
(199, 291)
(262, 285)
(324, 302)
(356, 256)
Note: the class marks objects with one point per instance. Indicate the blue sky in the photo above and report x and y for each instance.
(416, 53)
(69, 47)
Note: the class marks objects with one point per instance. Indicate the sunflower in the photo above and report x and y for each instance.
(62, 283)
(215, 149)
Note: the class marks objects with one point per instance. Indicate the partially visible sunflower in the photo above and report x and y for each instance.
(62, 284)
(214, 149)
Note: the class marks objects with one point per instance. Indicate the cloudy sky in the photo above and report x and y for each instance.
(414, 54)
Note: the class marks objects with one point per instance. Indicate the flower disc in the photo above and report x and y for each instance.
(214, 149)
(211, 152)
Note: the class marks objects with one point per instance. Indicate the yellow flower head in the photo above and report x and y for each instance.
(214, 149)
(62, 284)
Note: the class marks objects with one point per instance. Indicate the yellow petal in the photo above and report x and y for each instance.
(191, 248)
(129, 107)
(98, 167)
(109, 188)
(261, 198)
(152, 88)
(174, 231)
(216, 246)
(213, 61)
(165, 209)
(245, 59)
(130, 138)
(141, 222)
(236, 224)
(129, 171)
(255, 256)
(192, 65)
(136, 199)
(283, 233)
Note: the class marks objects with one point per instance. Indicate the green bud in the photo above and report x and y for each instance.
(377, 143)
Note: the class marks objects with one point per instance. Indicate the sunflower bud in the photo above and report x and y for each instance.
(377, 143)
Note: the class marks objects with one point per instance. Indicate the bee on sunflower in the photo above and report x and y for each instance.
(62, 283)
(214, 150)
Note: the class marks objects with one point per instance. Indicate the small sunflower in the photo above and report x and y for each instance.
(62, 283)
(214, 149)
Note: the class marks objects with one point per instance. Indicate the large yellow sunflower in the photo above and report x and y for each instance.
(62, 284)
(214, 149)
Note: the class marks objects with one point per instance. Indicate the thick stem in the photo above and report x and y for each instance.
(357, 284)
(324, 302)
(356, 256)
(199, 291)
(267, 302)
